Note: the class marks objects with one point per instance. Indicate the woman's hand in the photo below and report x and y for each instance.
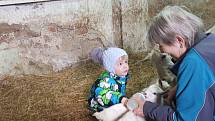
(139, 110)
(169, 98)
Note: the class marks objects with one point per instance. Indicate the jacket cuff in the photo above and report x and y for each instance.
(148, 107)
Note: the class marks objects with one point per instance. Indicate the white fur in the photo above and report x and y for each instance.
(130, 116)
(162, 62)
(151, 93)
(111, 113)
(119, 112)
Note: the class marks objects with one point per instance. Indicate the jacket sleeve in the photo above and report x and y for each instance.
(158, 112)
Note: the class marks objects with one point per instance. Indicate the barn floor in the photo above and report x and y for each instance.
(61, 96)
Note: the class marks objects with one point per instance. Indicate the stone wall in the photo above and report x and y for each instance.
(38, 38)
(42, 37)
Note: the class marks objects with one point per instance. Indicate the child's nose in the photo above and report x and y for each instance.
(126, 66)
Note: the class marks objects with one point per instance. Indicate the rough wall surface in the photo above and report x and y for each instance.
(39, 38)
(42, 37)
(134, 24)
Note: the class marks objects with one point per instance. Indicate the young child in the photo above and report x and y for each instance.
(110, 87)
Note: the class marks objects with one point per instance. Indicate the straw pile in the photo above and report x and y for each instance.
(61, 96)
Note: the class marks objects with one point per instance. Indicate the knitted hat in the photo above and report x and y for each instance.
(96, 55)
(110, 57)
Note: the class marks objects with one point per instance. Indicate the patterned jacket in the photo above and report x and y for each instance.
(108, 90)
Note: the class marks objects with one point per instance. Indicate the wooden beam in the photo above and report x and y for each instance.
(17, 2)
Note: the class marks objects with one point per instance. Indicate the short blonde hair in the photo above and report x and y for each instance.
(172, 21)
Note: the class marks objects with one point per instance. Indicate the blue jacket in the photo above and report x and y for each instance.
(109, 89)
(195, 95)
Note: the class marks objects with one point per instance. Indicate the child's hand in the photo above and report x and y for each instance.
(124, 101)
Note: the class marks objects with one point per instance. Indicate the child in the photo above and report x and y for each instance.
(110, 87)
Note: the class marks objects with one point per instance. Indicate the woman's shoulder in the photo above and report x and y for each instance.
(192, 56)
(194, 59)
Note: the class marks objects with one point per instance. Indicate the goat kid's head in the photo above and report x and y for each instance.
(152, 93)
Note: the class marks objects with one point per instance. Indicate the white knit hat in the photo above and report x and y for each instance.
(110, 57)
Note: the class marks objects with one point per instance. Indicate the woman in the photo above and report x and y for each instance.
(181, 34)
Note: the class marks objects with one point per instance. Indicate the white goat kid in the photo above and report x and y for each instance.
(162, 62)
(119, 112)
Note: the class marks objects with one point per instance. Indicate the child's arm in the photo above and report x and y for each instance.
(107, 97)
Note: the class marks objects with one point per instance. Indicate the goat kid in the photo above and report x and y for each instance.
(119, 112)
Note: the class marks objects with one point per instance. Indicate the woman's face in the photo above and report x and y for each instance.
(176, 50)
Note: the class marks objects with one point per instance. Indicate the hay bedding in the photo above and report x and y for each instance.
(61, 96)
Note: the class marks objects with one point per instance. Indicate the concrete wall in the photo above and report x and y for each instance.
(134, 24)
(39, 38)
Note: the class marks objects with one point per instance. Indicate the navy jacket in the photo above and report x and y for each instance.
(195, 95)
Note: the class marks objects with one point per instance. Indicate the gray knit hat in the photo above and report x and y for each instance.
(96, 55)
(108, 57)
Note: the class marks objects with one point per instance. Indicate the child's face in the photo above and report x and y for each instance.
(121, 66)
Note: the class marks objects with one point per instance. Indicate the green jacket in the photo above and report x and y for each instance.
(108, 90)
